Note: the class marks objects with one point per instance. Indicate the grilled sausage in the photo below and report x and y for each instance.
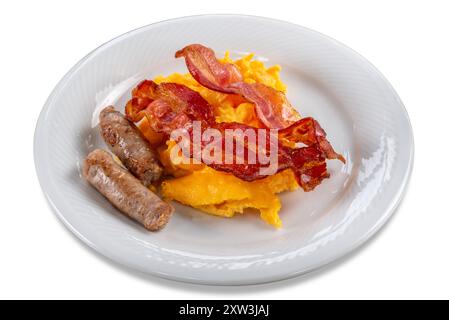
(126, 141)
(125, 192)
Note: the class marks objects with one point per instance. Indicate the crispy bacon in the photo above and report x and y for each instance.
(272, 107)
(240, 146)
(308, 163)
(162, 118)
(309, 166)
(170, 106)
(207, 70)
(309, 132)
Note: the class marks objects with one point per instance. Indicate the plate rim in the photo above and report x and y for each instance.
(382, 220)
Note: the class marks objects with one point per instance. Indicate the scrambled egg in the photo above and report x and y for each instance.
(224, 195)
(216, 192)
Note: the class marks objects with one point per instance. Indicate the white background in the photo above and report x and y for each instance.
(407, 40)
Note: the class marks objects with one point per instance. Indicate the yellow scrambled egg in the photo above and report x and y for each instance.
(215, 192)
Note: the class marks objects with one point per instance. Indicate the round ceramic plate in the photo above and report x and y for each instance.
(363, 116)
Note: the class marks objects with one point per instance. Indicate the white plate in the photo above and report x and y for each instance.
(362, 114)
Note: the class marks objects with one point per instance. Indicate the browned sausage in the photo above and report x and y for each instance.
(125, 192)
(127, 142)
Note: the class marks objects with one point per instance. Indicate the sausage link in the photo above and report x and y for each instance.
(125, 192)
(126, 141)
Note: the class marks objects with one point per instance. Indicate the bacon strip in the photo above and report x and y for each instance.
(272, 107)
(308, 163)
(170, 106)
(309, 132)
(207, 70)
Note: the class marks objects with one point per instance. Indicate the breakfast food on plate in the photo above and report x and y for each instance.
(225, 136)
(129, 145)
(125, 191)
(222, 95)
